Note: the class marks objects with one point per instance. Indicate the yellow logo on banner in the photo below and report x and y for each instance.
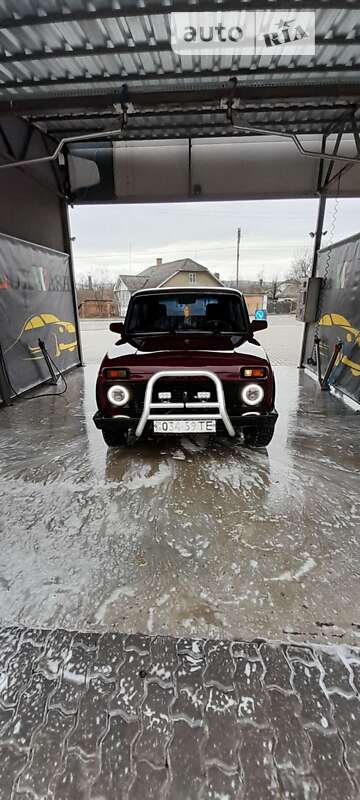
(55, 330)
(352, 335)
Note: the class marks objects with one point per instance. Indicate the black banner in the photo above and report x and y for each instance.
(35, 303)
(340, 313)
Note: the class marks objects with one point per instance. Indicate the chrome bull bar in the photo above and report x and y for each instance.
(149, 413)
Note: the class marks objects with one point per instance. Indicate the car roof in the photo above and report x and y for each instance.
(189, 289)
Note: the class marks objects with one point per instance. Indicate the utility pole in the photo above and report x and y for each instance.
(237, 256)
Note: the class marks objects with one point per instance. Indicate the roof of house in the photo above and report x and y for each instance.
(191, 290)
(156, 275)
(289, 288)
(159, 273)
(133, 282)
(248, 287)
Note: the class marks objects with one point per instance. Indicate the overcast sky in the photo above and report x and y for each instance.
(129, 238)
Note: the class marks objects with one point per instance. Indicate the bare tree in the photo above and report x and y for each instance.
(260, 278)
(82, 281)
(100, 284)
(274, 289)
(300, 268)
(96, 282)
(95, 289)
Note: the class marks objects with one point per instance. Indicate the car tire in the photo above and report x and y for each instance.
(258, 437)
(114, 439)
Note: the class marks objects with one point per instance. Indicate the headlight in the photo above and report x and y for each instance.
(118, 395)
(252, 394)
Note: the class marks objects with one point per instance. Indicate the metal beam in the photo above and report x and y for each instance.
(9, 148)
(314, 126)
(195, 111)
(27, 140)
(189, 167)
(158, 9)
(317, 239)
(68, 249)
(321, 164)
(139, 49)
(330, 179)
(356, 133)
(177, 133)
(331, 164)
(331, 73)
(338, 175)
(85, 52)
(200, 94)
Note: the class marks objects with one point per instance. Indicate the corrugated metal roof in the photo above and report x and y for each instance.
(65, 66)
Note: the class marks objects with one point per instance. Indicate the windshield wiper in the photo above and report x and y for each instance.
(213, 333)
(147, 333)
(186, 332)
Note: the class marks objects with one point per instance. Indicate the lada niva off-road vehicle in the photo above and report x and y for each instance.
(187, 361)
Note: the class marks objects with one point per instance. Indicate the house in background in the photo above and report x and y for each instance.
(125, 286)
(255, 295)
(181, 273)
(96, 301)
(287, 296)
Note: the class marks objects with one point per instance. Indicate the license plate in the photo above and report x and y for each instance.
(185, 426)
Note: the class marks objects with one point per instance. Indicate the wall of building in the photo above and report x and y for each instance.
(254, 302)
(339, 315)
(33, 211)
(103, 309)
(122, 298)
(36, 306)
(236, 168)
(30, 205)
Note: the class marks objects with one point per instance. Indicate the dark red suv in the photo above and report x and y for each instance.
(187, 362)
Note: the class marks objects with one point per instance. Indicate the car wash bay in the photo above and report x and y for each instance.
(180, 618)
(186, 536)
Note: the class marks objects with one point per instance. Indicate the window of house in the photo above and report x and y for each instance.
(192, 277)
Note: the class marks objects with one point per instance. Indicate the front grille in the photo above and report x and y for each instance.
(137, 394)
(177, 387)
(183, 389)
(232, 397)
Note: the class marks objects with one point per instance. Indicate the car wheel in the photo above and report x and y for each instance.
(114, 439)
(258, 437)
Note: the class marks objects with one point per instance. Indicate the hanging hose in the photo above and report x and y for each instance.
(5, 385)
(53, 369)
(324, 382)
(314, 359)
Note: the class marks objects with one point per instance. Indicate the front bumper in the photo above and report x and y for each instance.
(154, 410)
(122, 423)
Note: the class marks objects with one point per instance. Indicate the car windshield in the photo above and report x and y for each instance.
(172, 313)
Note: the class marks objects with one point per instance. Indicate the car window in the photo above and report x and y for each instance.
(184, 312)
(49, 318)
(34, 322)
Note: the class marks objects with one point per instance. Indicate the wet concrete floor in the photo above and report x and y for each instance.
(197, 537)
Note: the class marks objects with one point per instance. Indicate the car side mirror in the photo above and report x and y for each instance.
(257, 325)
(117, 327)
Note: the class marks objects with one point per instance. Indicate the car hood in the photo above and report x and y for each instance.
(148, 354)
